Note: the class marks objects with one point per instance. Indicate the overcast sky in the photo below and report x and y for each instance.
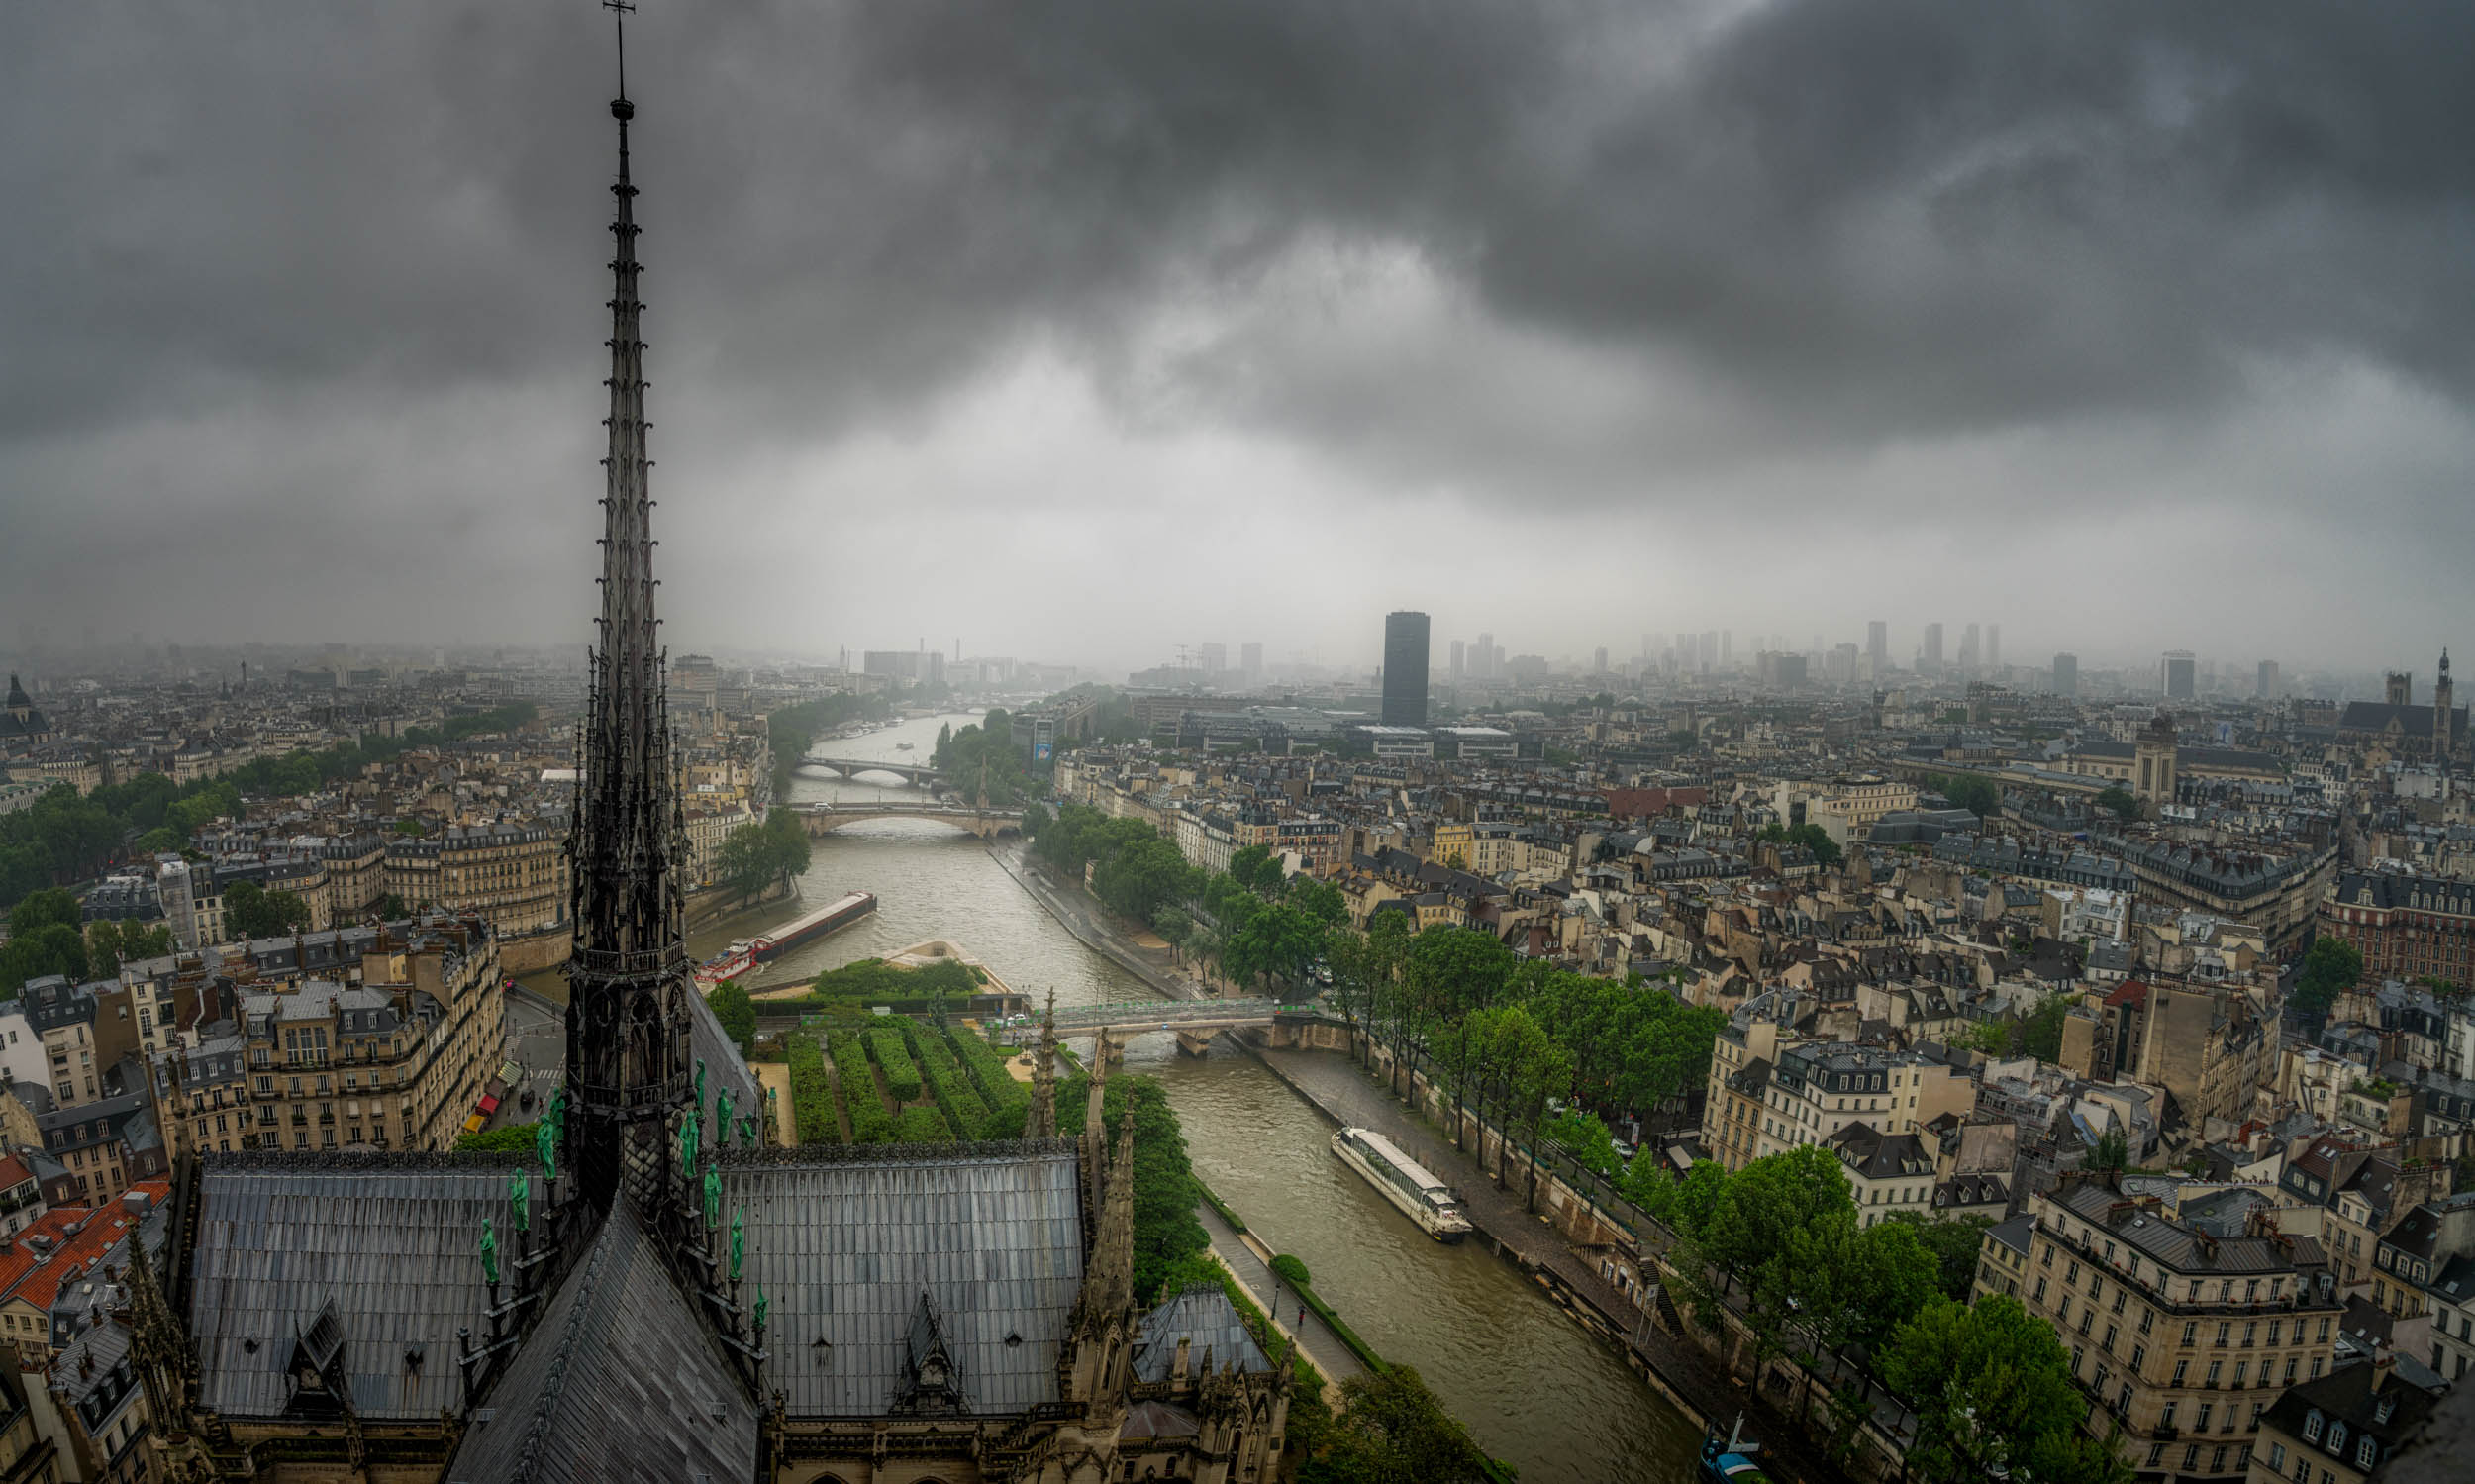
(1080, 331)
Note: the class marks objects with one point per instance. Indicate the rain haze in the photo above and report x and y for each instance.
(1080, 332)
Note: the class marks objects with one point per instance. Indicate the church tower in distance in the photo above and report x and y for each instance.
(627, 1059)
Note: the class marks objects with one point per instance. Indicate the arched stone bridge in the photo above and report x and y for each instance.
(987, 823)
(918, 774)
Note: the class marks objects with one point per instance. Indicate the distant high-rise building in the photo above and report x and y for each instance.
(1993, 646)
(1482, 662)
(2067, 674)
(1726, 646)
(1710, 648)
(2178, 676)
(1405, 670)
(1250, 659)
(1930, 658)
(1459, 653)
(2269, 680)
(1215, 658)
(1968, 651)
(1687, 656)
(1598, 662)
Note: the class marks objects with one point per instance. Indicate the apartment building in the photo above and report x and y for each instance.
(2181, 1338)
(2341, 1427)
(396, 1062)
(515, 874)
(1816, 1089)
(2406, 927)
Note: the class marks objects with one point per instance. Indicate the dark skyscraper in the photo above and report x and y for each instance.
(1405, 670)
(2067, 674)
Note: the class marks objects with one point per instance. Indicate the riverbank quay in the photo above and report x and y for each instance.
(1082, 919)
(1689, 1376)
(1251, 1266)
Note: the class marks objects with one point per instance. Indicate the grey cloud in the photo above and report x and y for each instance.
(1676, 246)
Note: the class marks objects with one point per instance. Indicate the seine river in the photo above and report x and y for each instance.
(1534, 1389)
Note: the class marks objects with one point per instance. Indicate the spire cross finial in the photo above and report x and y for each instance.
(619, 10)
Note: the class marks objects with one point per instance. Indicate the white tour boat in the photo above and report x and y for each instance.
(1405, 1182)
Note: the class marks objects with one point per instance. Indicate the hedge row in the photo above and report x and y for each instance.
(869, 1122)
(923, 1125)
(954, 1094)
(987, 1067)
(902, 1074)
(812, 1092)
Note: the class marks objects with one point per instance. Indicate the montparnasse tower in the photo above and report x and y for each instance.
(628, 1058)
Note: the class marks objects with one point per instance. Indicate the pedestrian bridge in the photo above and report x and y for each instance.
(918, 774)
(1196, 1021)
(987, 823)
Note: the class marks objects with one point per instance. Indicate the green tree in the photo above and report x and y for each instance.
(1954, 1245)
(251, 911)
(2121, 801)
(2040, 1034)
(1991, 1387)
(1254, 869)
(2111, 1152)
(2331, 967)
(41, 909)
(1977, 795)
(1320, 900)
(1584, 1136)
(1772, 1197)
(1392, 1430)
(391, 908)
(736, 1013)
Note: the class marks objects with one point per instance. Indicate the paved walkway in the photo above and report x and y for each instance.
(1345, 1093)
(1324, 1348)
(1078, 914)
(778, 1075)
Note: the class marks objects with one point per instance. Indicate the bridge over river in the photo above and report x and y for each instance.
(1196, 1021)
(987, 823)
(921, 774)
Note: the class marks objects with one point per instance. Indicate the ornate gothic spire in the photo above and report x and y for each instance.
(626, 1024)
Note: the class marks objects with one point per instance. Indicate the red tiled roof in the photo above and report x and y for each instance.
(2130, 992)
(13, 1172)
(81, 1238)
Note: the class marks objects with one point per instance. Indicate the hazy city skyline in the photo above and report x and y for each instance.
(1057, 333)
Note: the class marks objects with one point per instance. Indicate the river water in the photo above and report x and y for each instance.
(1532, 1386)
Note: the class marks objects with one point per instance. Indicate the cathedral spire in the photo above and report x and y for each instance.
(627, 1026)
(1040, 1119)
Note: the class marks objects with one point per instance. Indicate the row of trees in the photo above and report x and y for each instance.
(756, 855)
(1780, 1244)
(1517, 1042)
(1259, 927)
(63, 837)
(48, 936)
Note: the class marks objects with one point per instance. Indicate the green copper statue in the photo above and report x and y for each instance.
(558, 1111)
(747, 1130)
(546, 1145)
(760, 1309)
(520, 1196)
(700, 1081)
(713, 1197)
(691, 1143)
(489, 1252)
(738, 1241)
(722, 1118)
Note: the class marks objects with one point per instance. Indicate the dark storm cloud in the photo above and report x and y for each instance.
(1702, 235)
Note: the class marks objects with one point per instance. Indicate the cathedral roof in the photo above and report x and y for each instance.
(618, 1382)
(1209, 1325)
(391, 1242)
(844, 1242)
